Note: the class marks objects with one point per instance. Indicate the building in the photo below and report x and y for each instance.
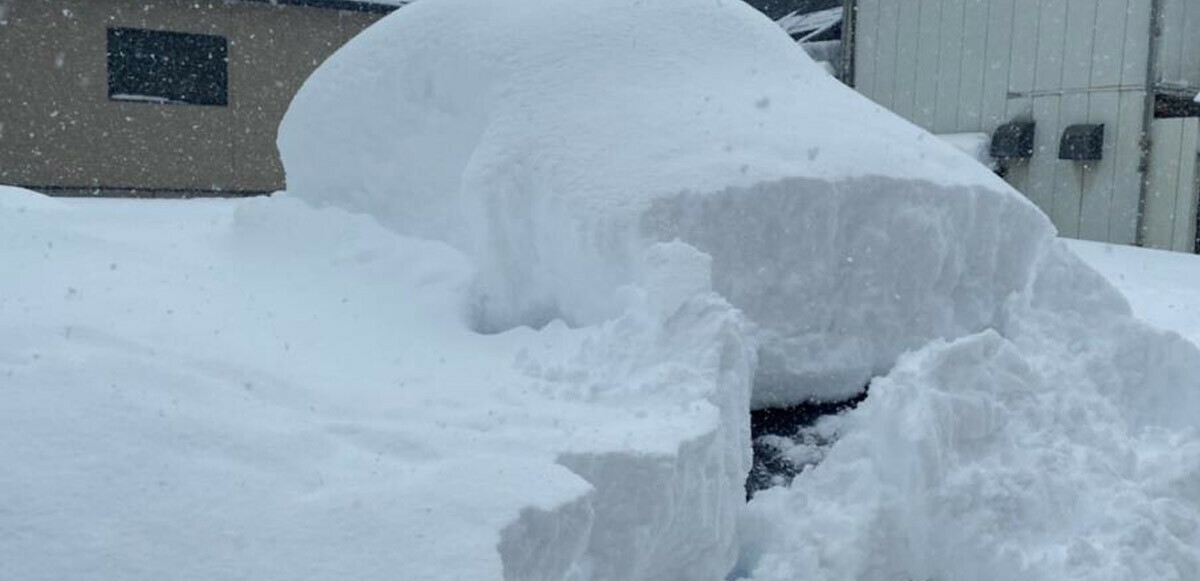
(1089, 103)
(158, 97)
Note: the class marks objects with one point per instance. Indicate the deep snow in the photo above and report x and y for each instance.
(260, 390)
(531, 273)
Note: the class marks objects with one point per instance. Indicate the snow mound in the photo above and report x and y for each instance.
(590, 156)
(553, 141)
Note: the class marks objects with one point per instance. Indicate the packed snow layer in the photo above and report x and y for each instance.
(546, 140)
(1163, 287)
(261, 390)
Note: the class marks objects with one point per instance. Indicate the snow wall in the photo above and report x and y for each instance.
(556, 144)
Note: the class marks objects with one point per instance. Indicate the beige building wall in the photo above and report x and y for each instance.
(58, 128)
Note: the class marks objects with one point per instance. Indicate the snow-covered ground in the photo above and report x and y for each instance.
(1163, 287)
(533, 269)
(260, 390)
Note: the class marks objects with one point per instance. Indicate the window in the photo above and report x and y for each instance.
(167, 67)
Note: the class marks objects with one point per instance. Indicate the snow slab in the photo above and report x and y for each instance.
(552, 141)
(260, 390)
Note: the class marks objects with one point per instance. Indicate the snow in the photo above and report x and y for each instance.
(257, 389)
(1161, 286)
(976, 145)
(553, 173)
(534, 268)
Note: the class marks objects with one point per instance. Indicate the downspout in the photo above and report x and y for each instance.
(1147, 144)
(849, 35)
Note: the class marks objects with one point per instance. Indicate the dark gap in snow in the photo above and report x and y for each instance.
(787, 440)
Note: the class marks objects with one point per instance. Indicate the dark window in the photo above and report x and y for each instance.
(1167, 106)
(167, 67)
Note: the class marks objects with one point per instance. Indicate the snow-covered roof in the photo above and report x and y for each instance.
(805, 26)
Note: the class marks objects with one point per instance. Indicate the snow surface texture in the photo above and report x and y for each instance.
(1034, 430)
(1163, 287)
(551, 141)
(261, 390)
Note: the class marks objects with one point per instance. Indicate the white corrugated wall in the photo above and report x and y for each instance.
(955, 66)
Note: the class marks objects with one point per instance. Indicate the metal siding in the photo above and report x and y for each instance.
(980, 63)
(865, 45)
(927, 55)
(1069, 176)
(973, 66)
(1023, 60)
(1127, 186)
(1169, 61)
(1100, 181)
(885, 76)
(1191, 49)
(1039, 186)
(1184, 239)
(1124, 208)
(997, 58)
(1109, 41)
(1047, 78)
(1022, 66)
(1159, 219)
(950, 43)
(1052, 23)
(906, 59)
(1105, 107)
(1137, 43)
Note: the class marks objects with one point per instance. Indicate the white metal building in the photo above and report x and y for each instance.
(1089, 102)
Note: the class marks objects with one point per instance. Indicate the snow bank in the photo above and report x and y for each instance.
(256, 389)
(548, 140)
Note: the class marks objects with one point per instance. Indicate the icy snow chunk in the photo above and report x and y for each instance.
(546, 139)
